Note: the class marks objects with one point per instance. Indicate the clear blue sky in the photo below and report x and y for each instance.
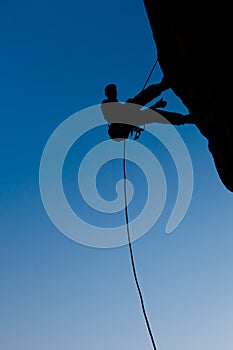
(56, 57)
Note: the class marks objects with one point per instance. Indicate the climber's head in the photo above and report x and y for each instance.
(111, 92)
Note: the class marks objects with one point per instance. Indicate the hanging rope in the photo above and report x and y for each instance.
(128, 232)
(131, 252)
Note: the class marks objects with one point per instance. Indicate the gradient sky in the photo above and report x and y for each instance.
(56, 57)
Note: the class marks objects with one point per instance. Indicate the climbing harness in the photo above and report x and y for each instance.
(138, 132)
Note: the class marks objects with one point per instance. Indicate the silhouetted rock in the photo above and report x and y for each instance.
(194, 42)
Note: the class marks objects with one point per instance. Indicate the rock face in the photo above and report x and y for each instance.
(195, 54)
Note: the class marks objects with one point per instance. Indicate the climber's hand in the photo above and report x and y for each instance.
(159, 104)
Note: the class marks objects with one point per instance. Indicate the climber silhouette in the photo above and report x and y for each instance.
(126, 118)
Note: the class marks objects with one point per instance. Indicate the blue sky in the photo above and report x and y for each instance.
(56, 58)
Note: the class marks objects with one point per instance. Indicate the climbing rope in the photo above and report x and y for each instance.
(146, 82)
(131, 252)
(151, 72)
(128, 231)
